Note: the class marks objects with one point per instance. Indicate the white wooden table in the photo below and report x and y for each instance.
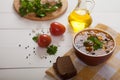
(20, 56)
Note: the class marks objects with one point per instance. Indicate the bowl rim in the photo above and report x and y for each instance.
(94, 55)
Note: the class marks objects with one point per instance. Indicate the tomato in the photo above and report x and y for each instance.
(44, 40)
(57, 29)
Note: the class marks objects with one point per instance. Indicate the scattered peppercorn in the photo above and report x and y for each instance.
(107, 51)
(19, 45)
(45, 57)
(29, 34)
(33, 47)
(93, 53)
(28, 46)
(33, 51)
(106, 40)
(26, 57)
(28, 54)
(81, 40)
(25, 47)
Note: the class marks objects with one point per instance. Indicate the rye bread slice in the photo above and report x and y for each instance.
(64, 67)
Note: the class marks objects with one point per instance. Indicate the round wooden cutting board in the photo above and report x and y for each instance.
(53, 15)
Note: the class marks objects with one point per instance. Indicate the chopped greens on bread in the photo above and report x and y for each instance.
(39, 7)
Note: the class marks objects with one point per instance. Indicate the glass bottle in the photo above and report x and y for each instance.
(80, 17)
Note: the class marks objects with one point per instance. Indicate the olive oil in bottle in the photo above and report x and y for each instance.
(79, 19)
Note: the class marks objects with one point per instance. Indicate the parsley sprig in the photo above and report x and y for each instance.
(97, 44)
(94, 42)
(52, 49)
(35, 38)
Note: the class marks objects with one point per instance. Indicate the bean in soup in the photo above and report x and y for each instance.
(94, 42)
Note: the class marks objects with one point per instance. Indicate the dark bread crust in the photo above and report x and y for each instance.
(53, 15)
(64, 68)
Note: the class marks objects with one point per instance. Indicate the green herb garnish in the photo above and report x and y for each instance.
(35, 6)
(97, 44)
(52, 49)
(35, 38)
(93, 41)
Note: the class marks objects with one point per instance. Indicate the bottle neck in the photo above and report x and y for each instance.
(86, 5)
(81, 4)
